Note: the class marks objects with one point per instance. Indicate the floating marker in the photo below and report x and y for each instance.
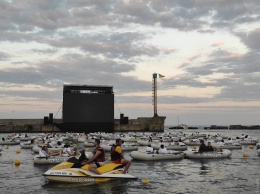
(17, 162)
(145, 181)
(245, 155)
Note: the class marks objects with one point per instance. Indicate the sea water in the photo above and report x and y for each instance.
(231, 175)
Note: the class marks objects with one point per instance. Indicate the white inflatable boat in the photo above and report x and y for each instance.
(124, 148)
(138, 155)
(26, 145)
(229, 146)
(88, 144)
(129, 139)
(248, 142)
(10, 142)
(207, 155)
(143, 142)
(171, 147)
(37, 148)
(50, 160)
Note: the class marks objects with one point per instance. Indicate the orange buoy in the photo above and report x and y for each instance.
(17, 162)
(245, 155)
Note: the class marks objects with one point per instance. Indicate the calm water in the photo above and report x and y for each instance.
(234, 175)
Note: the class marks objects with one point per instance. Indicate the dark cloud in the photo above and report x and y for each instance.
(112, 45)
(4, 56)
(75, 69)
(54, 14)
(252, 39)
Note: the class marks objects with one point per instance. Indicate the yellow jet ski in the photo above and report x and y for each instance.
(64, 172)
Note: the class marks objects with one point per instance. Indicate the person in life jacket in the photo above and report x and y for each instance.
(98, 158)
(117, 155)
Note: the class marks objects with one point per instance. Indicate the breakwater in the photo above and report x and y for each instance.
(153, 124)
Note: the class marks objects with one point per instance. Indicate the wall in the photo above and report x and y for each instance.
(37, 125)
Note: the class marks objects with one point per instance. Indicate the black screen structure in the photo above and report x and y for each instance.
(88, 108)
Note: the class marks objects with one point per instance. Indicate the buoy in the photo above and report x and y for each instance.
(251, 147)
(145, 181)
(194, 147)
(17, 162)
(245, 155)
(18, 151)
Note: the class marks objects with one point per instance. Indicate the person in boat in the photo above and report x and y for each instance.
(162, 150)
(220, 143)
(117, 156)
(44, 152)
(149, 149)
(150, 139)
(209, 147)
(98, 159)
(123, 143)
(66, 150)
(74, 152)
(171, 142)
(59, 144)
(203, 147)
(229, 141)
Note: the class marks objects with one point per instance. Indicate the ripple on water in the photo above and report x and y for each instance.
(227, 176)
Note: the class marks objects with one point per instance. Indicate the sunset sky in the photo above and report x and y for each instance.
(208, 50)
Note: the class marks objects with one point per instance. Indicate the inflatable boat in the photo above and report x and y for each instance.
(248, 142)
(171, 147)
(207, 155)
(138, 155)
(124, 148)
(10, 142)
(37, 148)
(26, 145)
(229, 146)
(50, 160)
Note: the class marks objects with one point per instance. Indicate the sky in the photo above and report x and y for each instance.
(208, 51)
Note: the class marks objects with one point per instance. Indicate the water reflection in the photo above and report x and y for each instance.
(205, 167)
(111, 187)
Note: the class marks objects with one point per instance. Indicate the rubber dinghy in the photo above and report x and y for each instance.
(233, 146)
(138, 155)
(207, 155)
(10, 142)
(124, 148)
(50, 160)
(26, 145)
(64, 172)
(171, 147)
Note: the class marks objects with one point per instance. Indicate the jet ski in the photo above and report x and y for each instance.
(71, 172)
(64, 172)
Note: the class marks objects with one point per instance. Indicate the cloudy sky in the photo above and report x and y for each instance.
(208, 50)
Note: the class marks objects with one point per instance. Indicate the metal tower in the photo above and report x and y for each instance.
(155, 94)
